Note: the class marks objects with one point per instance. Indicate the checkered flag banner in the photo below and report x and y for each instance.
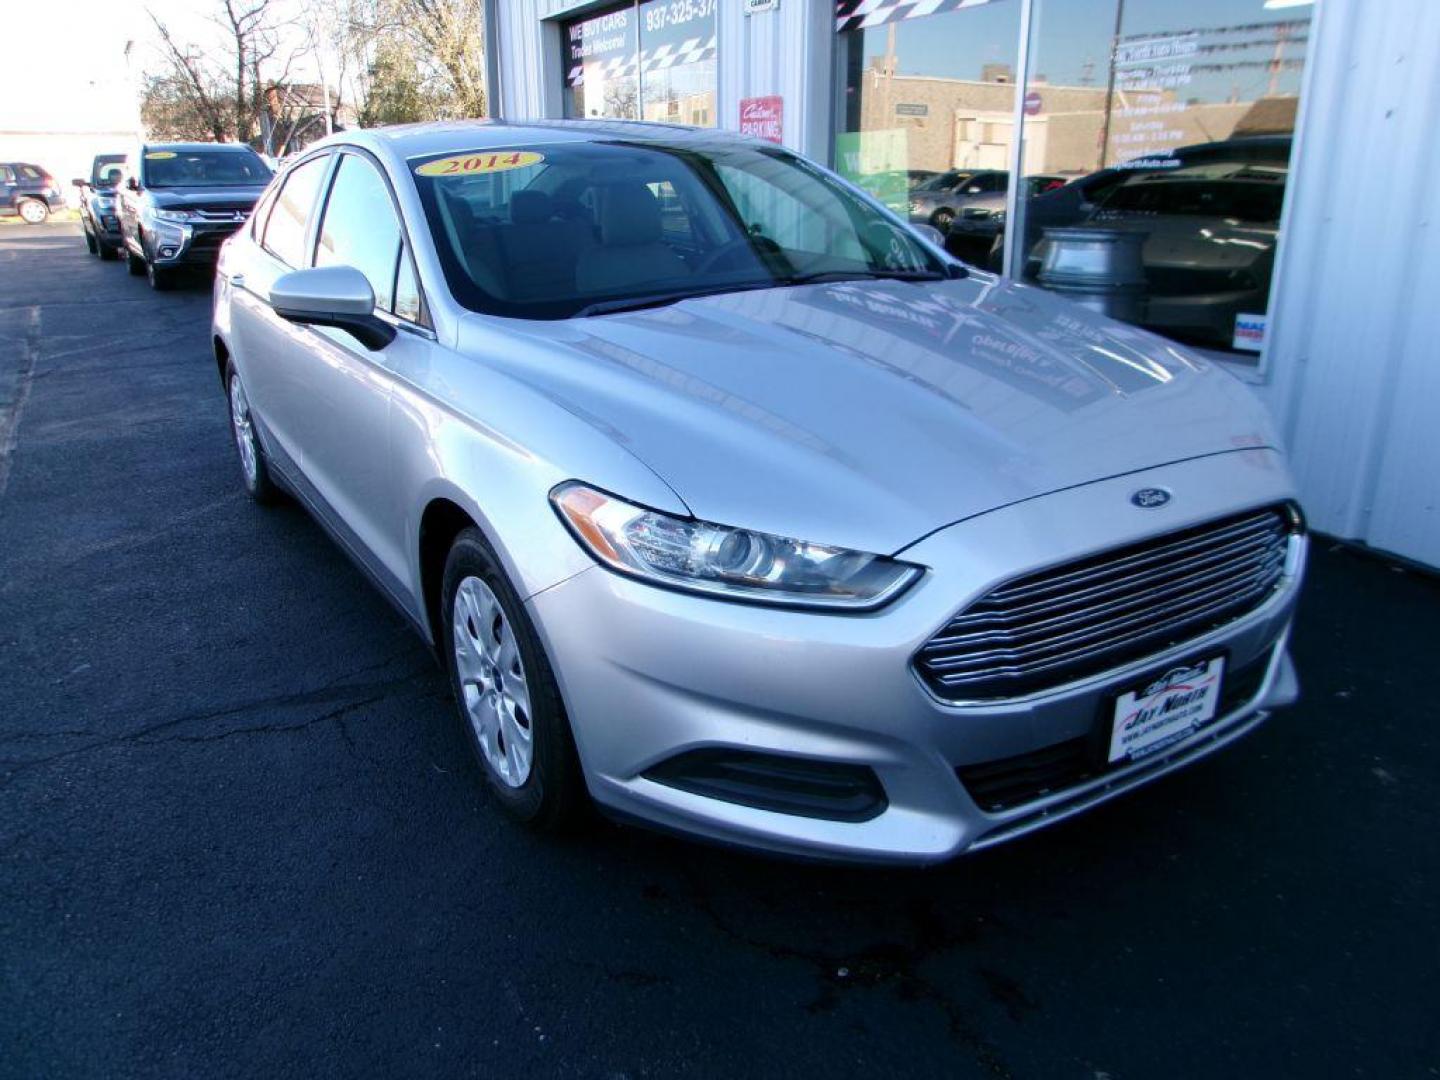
(691, 51)
(863, 14)
(687, 52)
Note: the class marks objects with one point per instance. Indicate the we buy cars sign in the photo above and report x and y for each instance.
(763, 117)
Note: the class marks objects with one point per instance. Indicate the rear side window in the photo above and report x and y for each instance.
(1242, 200)
(30, 172)
(360, 228)
(285, 230)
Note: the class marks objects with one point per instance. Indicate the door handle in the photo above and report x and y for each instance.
(237, 281)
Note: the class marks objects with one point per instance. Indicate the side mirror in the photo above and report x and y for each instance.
(132, 184)
(928, 233)
(77, 182)
(338, 296)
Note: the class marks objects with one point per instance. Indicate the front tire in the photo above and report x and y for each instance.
(106, 252)
(942, 219)
(254, 471)
(505, 693)
(33, 211)
(91, 244)
(161, 278)
(134, 263)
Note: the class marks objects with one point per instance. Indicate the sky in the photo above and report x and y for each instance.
(79, 71)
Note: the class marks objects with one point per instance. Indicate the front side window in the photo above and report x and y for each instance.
(204, 168)
(643, 61)
(284, 235)
(360, 228)
(563, 229)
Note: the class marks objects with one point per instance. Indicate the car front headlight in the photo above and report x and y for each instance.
(177, 216)
(738, 564)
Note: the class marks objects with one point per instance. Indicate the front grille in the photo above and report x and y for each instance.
(210, 238)
(1083, 618)
(1014, 781)
(237, 214)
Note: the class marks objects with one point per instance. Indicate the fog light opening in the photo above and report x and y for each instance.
(801, 786)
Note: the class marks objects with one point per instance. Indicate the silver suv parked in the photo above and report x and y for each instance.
(731, 503)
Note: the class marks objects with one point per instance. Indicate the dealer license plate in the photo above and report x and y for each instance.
(1165, 709)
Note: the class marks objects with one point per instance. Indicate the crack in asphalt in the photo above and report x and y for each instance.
(10, 415)
(373, 692)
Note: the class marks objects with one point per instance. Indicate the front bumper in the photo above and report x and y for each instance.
(188, 244)
(648, 674)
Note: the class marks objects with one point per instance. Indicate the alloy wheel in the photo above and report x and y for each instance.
(491, 673)
(33, 211)
(244, 430)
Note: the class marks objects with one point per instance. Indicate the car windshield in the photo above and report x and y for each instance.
(205, 168)
(107, 170)
(557, 230)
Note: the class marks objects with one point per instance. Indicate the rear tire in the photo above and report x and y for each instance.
(505, 693)
(33, 211)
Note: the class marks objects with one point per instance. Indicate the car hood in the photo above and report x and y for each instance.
(205, 198)
(869, 414)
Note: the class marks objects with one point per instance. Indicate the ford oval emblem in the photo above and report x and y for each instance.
(1150, 498)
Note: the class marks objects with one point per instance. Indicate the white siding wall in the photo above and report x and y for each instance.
(1354, 355)
(528, 69)
(789, 51)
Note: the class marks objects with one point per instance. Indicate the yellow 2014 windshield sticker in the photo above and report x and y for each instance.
(160, 155)
(470, 164)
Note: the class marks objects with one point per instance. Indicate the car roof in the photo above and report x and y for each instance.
(187, 147)
(406, 141)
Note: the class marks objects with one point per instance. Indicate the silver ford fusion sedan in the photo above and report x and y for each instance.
(735, 506)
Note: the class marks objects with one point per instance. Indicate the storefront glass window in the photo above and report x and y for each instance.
(928, 102)
(648, 61)
(1171, 124)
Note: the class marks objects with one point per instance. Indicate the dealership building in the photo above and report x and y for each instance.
(1271, 161)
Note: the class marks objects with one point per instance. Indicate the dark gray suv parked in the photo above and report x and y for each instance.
(99, 216)
(179, 202)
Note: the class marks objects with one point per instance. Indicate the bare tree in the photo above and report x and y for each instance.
(227, 86)
(434, 48)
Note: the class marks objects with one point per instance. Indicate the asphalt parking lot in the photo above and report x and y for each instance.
(240, 835)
